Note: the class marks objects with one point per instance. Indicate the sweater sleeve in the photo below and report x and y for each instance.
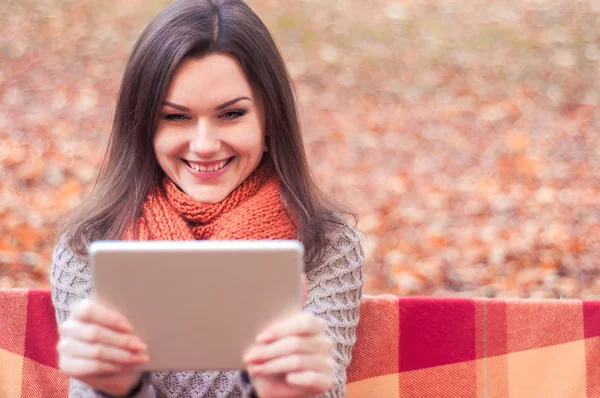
(335, 295)
(70, 277)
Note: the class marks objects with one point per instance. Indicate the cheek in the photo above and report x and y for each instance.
(251, 145)
(166, 153)
(166, 145)
(252, 140)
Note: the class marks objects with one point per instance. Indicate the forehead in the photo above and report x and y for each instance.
(217, 77)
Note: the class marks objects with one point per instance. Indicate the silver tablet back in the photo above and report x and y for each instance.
(198, 305)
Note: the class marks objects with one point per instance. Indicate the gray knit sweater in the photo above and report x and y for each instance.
(334, 294)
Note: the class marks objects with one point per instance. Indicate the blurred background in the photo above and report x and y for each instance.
(464, 134)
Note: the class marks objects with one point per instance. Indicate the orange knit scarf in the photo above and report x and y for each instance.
(253, 211)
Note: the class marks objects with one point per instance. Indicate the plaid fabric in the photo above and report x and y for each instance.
(28, 337)
(406, 347)
(471, 348)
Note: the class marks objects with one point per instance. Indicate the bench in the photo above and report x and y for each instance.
(406, 347)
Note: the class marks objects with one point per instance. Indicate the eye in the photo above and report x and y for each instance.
(175, 117)
(234, 114)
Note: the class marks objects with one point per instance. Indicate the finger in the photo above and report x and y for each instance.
(314, 381)
(303, 324)
(292, 363)
(84, 367)
(77, 349)
(90, 311)
(96, 334)
(288, 346)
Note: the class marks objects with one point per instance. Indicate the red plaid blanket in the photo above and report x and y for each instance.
(471, 348)
(28, 337)
(406, 347)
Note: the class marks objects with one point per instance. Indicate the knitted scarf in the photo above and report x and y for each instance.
(253, 211)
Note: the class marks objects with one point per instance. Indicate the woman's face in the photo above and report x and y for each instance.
(210, 135)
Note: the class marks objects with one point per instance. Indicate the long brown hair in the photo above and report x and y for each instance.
(197, 28)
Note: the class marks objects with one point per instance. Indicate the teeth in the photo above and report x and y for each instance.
(205, 169)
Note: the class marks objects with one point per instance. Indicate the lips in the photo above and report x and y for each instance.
(208, 168)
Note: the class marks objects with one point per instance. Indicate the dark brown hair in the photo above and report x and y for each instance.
(196, 28)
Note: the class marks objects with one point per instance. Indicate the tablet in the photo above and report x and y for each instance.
(199, 305)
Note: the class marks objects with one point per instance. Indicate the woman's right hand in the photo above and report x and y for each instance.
(97, 346)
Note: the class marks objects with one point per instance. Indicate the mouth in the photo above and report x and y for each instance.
(208, 168)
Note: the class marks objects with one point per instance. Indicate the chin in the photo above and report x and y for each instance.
(206, 197)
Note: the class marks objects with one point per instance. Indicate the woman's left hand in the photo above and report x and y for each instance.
(292, 359)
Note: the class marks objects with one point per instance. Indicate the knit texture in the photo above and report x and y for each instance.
(253, 211)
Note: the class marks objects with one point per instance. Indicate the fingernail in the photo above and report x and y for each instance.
(264, 337)
(124, 324)
(140, 358)
(138, 344)
(250, 358)
(255, 369)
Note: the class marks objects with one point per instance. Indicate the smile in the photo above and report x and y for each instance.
(208, 168)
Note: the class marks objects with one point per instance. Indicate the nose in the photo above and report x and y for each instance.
(205, 141)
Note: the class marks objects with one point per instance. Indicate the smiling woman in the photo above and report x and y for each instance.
(206, 144)
(214, 140)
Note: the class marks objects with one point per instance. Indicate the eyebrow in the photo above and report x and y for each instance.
(218, 108)
(228, 103)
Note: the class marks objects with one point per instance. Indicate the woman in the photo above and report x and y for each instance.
(206, 144)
